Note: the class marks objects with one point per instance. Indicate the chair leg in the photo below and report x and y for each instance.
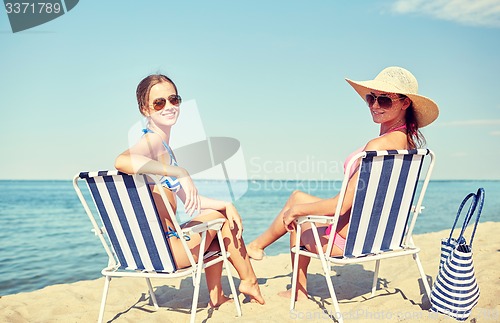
(326, 271)
(424, 277)
(229, 274)
(233, 288)
(295, 268)
(375, 277)
(197, 277)
(152, 295)
(294, 280)
(104, 296)
(334, 297)
(196, 293)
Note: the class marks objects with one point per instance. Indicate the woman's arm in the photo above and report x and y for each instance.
(148, 157)
(142, 158)
(134, 163)
(322, 207)
(225, 207)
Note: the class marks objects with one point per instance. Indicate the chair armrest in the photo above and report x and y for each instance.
(210, 225)
(315, 218)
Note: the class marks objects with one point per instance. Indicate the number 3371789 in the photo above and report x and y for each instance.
(32, 8)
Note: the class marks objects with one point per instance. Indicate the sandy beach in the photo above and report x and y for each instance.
(399, 297)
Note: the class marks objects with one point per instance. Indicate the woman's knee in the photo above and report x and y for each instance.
(295, 196)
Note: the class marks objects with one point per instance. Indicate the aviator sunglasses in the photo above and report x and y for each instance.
(159, 103)
(384, 101)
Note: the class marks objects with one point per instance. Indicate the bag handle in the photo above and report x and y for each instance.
(467, 216)
(480, 197)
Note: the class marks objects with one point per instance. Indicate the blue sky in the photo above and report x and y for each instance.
(268, 73)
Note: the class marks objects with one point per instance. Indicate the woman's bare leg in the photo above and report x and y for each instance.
(301, 291)
(213, 276)
(213, 273)
(276, 230)
(181, 258)
(241, 261)
(302, 269)
(307, 240)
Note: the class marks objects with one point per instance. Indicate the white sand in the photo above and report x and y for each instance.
(399, 297)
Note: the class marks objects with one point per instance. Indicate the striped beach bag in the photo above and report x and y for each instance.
(455, 291)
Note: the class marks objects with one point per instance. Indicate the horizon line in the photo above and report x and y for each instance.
(254, 179)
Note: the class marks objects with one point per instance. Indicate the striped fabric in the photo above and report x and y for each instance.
(126, 208)
(455, 291)
(383, 199)
(447, 247)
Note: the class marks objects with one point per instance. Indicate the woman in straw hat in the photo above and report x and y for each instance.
(394, 104)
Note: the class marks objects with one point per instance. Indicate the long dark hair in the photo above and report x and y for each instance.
(415, 138)
(145, 86)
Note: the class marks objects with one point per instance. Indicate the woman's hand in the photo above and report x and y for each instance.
(192, 201)
(234, 218)
(289, 217)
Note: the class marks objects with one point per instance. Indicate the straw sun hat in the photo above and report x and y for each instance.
(398, 80)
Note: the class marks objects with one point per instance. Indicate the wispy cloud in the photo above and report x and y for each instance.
(467, 12)
(495, 133)
(477, 122)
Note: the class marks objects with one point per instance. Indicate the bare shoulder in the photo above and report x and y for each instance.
(149, 145)
(396, 140)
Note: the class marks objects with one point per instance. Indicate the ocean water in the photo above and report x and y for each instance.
(46, 238)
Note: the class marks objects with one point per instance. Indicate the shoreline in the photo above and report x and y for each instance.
(398, 298)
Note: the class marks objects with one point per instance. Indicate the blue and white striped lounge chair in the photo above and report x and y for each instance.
(382, 216)
(137, 245)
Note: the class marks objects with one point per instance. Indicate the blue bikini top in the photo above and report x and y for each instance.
(170, 182)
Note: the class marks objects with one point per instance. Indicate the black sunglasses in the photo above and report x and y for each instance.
(384, 101)
(160, 103)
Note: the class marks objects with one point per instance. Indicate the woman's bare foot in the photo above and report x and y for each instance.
(219, 301)
(252, 290)
(254, 252)
(300, 295)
